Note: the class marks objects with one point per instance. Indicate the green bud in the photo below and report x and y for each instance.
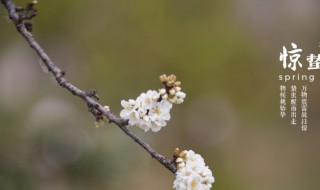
(105, 119)
(163, 78)
(176, 152)
(97, 124)
(170, 83)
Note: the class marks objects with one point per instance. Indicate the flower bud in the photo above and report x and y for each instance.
(179, 160)
(105, 119)
(165, 96)
(162, 91)
(181, 165)
(179, 101)
(181, 94)
(97, 124)
(172, 91)
(170, 83)
(163, 78)
(183, 154)
(107, 107)
(172, 78)
(176, 152)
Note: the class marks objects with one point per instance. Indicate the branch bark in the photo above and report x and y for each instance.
(62, 81)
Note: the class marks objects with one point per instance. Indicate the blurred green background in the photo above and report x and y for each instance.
(226, 53)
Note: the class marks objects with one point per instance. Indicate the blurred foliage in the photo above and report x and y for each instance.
(226, 53)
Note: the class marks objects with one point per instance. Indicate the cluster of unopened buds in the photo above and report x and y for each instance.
(171, 90)
(192, 173)
(151, 110)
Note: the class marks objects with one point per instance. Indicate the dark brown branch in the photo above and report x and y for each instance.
(62, 81)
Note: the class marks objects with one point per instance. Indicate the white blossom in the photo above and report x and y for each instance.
(147, 111)
(130, 112)
(193, 174)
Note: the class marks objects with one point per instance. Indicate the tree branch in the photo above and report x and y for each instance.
(18, 21)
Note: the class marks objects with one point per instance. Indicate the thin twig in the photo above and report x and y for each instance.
(59, 76)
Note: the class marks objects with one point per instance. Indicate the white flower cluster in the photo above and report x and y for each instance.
(192, 174)
(146, 111)
(151, 110)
